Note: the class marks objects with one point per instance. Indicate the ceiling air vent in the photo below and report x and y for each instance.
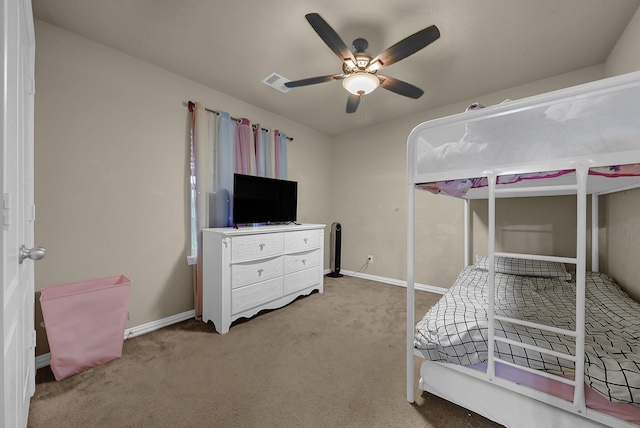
(276, 81)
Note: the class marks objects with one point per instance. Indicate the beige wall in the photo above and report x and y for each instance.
(624, 58)
(371, 169)
(623, 222)
(111, 166)
(111, 170)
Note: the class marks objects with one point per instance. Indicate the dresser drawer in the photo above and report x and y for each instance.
(301, 240)
(300, 261)
(301, 280)
(248, 297)
(247, 273)
(258, 246)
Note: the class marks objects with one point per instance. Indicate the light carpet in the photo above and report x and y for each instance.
(335, 359)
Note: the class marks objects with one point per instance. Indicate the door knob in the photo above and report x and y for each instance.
(36, 253)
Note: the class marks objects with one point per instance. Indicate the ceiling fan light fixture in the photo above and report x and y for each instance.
(360, 83)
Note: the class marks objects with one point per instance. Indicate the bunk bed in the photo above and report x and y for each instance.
(508, 339)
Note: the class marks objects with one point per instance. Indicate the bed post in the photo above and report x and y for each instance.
(410, 272)
(410, 292)
(595, 234)
(467, 237)
(491, 368)
(582, 173)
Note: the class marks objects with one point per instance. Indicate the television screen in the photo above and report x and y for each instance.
(263, 200)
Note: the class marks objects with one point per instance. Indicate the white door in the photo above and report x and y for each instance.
(17, 356)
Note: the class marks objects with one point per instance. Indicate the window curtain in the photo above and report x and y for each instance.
(280, 150)
(202, 186)
(193, 216)
(245, 160)
(219, 147)
(225, 147)
(261, 139)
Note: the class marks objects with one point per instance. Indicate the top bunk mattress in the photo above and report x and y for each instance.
(596, 124)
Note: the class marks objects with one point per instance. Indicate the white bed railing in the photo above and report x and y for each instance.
(411, 255)
(579, 189)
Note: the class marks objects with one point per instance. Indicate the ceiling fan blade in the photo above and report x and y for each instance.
(400, 87)
(313, 80)
(352, 103)
(330, 37)
(406, 47)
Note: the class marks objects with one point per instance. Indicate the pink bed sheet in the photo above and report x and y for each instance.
(595, 401)
(460, 187)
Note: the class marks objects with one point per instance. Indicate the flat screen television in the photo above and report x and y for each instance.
(263, 200)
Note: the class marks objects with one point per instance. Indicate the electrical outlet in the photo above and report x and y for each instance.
(369, 259)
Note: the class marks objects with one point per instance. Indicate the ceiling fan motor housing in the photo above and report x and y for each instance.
(360, 45)
(360, 52)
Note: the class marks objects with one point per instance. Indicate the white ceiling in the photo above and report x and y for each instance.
(231, 46)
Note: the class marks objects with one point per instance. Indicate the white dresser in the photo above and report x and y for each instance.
(249, 269)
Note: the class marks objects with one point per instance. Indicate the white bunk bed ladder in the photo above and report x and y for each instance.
(579, 261)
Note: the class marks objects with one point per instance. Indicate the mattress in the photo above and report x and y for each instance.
(593, 125)
(578, 127)
(455, 329)
(460, 187)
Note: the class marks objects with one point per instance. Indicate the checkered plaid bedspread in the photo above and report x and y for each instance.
(455, 329)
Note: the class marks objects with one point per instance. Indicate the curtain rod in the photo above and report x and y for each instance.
(232, 118)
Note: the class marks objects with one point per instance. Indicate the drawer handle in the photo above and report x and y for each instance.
(306, 240)
(260, 272)
(262, 246)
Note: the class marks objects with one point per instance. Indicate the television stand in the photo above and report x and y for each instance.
(249, 269)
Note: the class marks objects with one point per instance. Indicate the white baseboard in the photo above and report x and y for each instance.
(45, 359)
(155, 325)
(392, 281)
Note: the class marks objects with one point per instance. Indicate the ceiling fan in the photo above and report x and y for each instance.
(359, 70)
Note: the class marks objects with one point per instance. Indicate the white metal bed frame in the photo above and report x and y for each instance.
(446, 376)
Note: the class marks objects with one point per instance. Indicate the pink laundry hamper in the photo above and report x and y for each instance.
(85, 323)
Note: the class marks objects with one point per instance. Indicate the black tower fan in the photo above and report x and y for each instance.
(334, 263)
